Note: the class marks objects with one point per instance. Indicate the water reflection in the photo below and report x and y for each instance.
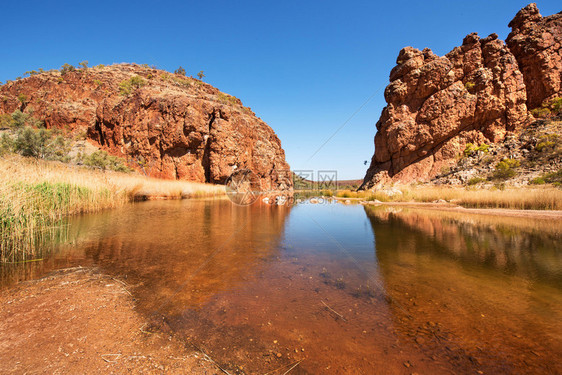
(476, 291)
(342, 288)
(179, 254)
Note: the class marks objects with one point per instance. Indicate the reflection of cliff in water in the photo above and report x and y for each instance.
(481, 293)
(178, 254)
(516, 246)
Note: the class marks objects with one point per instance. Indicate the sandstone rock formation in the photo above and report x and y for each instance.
(165, 125)
(536, 42)
(477, 93)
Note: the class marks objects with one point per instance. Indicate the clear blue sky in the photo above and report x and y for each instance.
(304, 67)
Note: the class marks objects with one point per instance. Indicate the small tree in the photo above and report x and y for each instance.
(22, 98)
(84, 64)
(66, 68)
(201, 75)
(180, 71)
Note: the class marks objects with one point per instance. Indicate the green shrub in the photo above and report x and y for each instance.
(32, 142)
(226, 99)
(550, 108)
(472, 149)
(84, 64)
(201, 75)
(469, 85)
(180, 71)
(554, 177)
(18, 119)
(6, 144)
(128, 86)
(101, 159)
(22, 98)
(537, 181)
(505, 169)
(66, 68)
(541, 146)
(475, 180)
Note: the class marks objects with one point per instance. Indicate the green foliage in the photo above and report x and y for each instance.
(472, 149)
(97, 82)
(6, 144)
(548, 109)
(547, 142)
(537, 181)
(506, 169)
(101, 159)
(99, 66)
(201, 75)
(66, 68)
(227, 99)
(84, 64)
(475, 180)
(541, 112)
(180, 71)
(18, 119)
(554, 177)
(22, 98)
(41, 144)
(128, 86)
(469, 85)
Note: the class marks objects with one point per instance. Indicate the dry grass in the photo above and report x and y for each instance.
(524, 198)
(35, 195)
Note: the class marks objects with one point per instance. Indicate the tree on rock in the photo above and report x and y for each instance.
(201, 74)
(180, 71)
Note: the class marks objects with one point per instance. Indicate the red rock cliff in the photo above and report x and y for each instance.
(478, 93)
(171, 126)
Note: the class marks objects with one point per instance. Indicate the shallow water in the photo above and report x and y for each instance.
(335, 288)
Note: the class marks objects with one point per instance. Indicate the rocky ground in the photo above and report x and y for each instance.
(530, 155)
(83, 322)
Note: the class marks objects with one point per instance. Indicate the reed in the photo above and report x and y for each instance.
(35, 195)
(523, 198)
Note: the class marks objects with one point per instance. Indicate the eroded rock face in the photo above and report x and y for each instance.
(536, 42)
(474, 94)
(172, 127)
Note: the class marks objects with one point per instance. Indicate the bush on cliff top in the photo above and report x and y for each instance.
(128, 86)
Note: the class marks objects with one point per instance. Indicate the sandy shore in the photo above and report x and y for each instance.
(83, 322)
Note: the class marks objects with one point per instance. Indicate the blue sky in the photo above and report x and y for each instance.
(304, 67)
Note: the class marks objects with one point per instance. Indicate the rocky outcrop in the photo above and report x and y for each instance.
(476, 93)
(536, 42)
(165, 125)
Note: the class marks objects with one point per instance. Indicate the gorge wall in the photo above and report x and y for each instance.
(165, 125)
(477, 93)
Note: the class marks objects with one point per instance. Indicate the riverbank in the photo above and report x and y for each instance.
(450, 207)
(546, 197)
(36, 194)
(81, 321)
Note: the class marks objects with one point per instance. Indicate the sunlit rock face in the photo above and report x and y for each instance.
(168, 125)
(477, 93)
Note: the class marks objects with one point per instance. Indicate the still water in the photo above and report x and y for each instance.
(332, 288)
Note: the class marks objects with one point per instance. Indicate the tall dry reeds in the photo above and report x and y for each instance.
(35, 195)
(523, 198)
